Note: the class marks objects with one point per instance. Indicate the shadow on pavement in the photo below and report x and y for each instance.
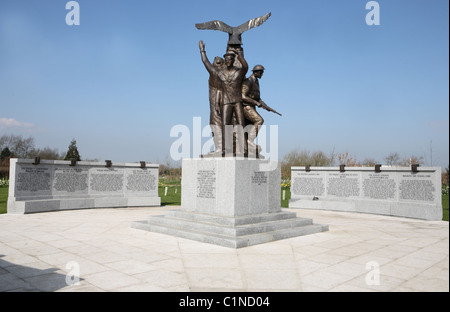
(20, 278)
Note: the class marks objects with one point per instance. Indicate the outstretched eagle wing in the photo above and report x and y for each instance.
(253, 23)
(215, 25)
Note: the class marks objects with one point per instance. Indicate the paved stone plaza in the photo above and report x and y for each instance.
(39, 252)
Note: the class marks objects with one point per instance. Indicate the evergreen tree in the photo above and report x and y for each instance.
(5, 153)
(72, 152)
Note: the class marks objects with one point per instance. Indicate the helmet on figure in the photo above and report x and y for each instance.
(258, 67)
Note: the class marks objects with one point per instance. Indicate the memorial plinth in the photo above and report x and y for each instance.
(54, 185)
(230, 202)
(395, 191)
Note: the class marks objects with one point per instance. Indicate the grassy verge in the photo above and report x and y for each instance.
(3, 198)
(287, 196)
(445, 207)
(173, 197)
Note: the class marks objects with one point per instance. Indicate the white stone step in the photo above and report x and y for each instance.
(231, 241)
(236, 231)
(229, 221)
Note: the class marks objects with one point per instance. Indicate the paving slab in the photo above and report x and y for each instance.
(359, 253)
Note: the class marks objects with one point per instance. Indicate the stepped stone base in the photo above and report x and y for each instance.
(230, 202)
(233, 232)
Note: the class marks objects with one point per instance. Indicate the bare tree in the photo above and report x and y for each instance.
(19, 147)
(408, 161)
(48, 153)
(392, 159)
(369, 162)
(303, 158)
(348, 160)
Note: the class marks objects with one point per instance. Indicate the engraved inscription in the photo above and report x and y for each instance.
(414, 187)
(206, 184)
(106, 182)
(33, 179)
(141, 181)
(259, 177)
(308, 186)
(70, 180)
(343, 185)
(379, 186)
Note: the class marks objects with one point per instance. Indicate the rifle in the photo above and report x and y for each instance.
(268, 108)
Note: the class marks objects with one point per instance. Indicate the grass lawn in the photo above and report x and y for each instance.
(3, 198)
(173, 198)
(445, 207)
(287, 196)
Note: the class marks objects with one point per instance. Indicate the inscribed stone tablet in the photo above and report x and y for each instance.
(33, 180)
(343, 184)
(106, 180)
(141, 180)
(308, 183)
(379, 186)
(417, 187)
(206, 184)
(70, 181)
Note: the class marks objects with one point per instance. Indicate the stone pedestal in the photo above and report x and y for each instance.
(230, 202)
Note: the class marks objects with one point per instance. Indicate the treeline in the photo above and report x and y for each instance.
(19, 147)
(16, 146)
(320, 159)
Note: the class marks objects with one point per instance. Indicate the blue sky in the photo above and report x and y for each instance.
(131, 70)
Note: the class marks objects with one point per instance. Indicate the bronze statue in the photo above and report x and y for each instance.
(230, 97)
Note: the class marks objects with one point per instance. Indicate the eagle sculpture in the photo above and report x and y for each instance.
(235, 33)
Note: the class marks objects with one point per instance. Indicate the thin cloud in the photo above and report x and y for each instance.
(13, 123)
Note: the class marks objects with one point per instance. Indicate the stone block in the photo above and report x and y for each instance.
(230, 202)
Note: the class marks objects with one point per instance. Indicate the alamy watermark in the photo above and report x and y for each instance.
(373, 276)
(73, 16)
(191, 142)
(73, 276)
(373, 17)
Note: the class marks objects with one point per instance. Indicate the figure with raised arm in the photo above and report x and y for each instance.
(215, 99)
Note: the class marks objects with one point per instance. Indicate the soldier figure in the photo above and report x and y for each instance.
(215, 99)
(251, 98)
(227, 80)
(232, 78)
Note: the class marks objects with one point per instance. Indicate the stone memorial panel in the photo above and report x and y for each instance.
(59, 185)
(397, 191)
